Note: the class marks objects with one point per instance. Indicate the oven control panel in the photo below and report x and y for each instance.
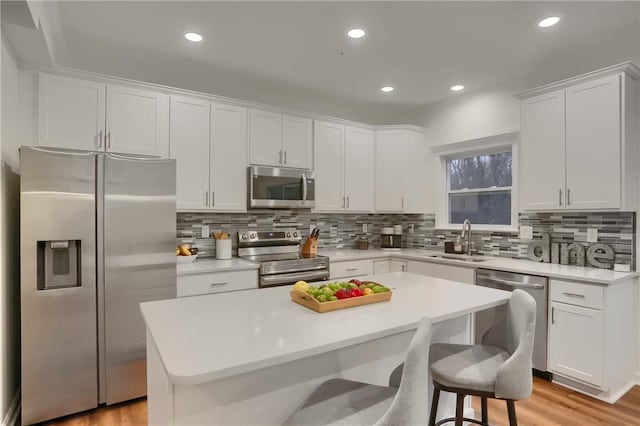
(269, 238)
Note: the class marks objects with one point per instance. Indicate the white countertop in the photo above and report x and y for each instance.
(204, 338)
(207, 265)
(568, 272)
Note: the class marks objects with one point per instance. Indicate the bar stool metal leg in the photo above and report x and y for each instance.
(511, 408)
(485, 412)
(434, 404)
(459, 409)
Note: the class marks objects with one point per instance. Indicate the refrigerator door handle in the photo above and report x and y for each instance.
(63, 152)
(132, 157)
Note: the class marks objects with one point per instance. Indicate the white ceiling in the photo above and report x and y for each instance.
(420, 48)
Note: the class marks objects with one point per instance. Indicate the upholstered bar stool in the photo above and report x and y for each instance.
(345, 402)
(499, 367)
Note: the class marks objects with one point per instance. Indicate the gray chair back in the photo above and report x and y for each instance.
(515, 334)
(409, 406)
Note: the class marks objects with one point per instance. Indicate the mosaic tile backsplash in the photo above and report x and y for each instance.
(616, 229)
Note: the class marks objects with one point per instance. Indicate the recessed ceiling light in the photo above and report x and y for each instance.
(549, 22)
(195, 37)
(356, 33)
(457, 87)
(387, 89)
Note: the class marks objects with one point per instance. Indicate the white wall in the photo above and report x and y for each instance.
(9, 231)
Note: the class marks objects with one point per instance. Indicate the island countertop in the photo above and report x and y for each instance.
(210, 337)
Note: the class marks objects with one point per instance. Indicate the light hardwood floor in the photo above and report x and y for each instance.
(550, 405)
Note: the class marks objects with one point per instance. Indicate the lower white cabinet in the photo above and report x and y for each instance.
(350, 269)
(389, 265)
(217, 282)
(447, 272)
(576, 342)
(593, 339)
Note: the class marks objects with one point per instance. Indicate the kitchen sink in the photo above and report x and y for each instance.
(460, 258)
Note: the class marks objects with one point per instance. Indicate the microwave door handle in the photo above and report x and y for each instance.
(304, 187)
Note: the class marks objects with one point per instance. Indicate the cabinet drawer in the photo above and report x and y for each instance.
(579, 294)
(351, 269)
(192, 285)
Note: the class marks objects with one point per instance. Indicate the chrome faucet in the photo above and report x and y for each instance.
(466, 231)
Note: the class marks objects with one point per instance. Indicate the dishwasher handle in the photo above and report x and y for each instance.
(514, 284)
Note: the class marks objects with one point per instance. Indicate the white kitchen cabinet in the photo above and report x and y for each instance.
(71, 113)
(343, 168)
(350, 269)
(419, 179)
(576, 343)
(228, 162)
(381, 266)
(542, 152)
(208, 141)
(79, 114)
(189, 146)
(329, 166)
(592, 336)
(593, 144)
(297, 147)
(358, 169)
(390, 173)
(438, 270)
(216, 282)
(397, 265)
(265, 138)
(279, 140)
(137, 121)
(579, 143)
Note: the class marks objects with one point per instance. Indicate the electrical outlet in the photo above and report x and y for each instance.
(364, 228)
(205, 231)
(592, 235)
(410, 229)
(526, 232)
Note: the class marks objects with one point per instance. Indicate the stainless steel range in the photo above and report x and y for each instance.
(278, 253)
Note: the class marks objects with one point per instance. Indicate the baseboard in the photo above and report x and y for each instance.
(13, 413)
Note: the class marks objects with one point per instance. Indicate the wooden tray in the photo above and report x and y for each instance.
(308, 301)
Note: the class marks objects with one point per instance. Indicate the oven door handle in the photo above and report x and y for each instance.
(304, 187)
(280, 279)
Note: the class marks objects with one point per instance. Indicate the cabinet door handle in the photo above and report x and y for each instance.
(218, 284)
(403, 268)
(100, 139)
(285, 157)
(344, 202)
(348, 202)
(280, 155)
(108, 139)
(568, 196)
(351, 269)
(560, 196)
(581, 296)
(402, 203)
(553, 315)
(206, 198)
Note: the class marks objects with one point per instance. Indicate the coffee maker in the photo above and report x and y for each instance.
(391, 238)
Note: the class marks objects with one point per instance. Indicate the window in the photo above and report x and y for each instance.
(477, 180)
(479, 189)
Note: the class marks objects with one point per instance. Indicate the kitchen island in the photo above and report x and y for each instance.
(252, 357)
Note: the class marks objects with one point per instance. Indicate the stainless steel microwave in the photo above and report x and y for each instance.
(281, 188)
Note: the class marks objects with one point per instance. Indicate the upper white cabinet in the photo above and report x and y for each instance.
(279, 140)
(79, 114)
(403, 163)
(228, 158)
(579, 143)
(343, 168)
(189, 146)
(137, 121)
(209, 143)
(71, 113)
(542, 152)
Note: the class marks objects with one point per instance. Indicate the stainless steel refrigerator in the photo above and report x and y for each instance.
(97, 239)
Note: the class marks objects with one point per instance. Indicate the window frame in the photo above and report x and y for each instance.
(491, 145)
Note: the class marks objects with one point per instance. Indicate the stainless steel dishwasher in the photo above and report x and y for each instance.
(534, 285)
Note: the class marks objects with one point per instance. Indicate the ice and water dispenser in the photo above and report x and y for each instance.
(59, 264)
